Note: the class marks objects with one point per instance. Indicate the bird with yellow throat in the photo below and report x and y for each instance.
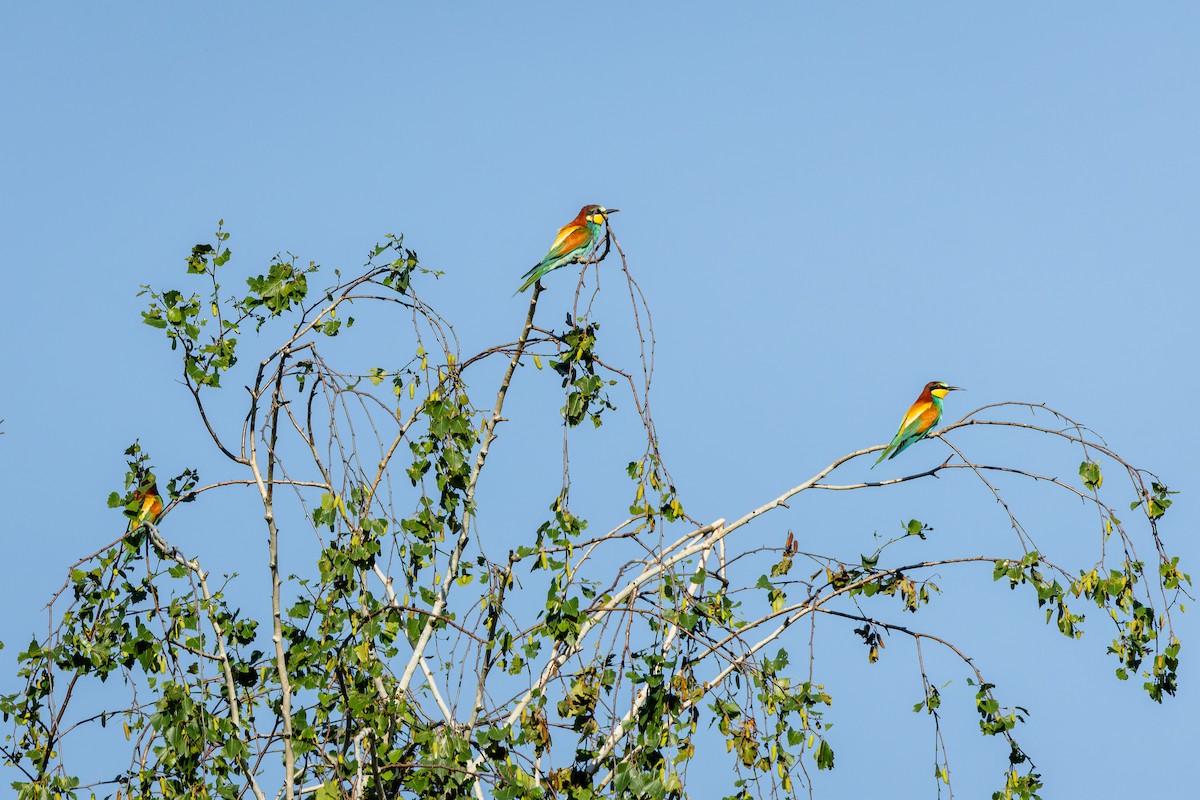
(922, 417)
(576, 241)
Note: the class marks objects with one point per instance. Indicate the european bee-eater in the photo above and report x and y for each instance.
(921, 418)
(150, 504)
(575, 242)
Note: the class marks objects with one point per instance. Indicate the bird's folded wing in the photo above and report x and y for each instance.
(912, 420)
(151, 505)
(912, 428)
(570, 237)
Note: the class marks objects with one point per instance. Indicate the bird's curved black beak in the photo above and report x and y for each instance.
(955, 389)
(611, 211)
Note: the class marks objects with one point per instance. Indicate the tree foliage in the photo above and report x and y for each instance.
(417, 655)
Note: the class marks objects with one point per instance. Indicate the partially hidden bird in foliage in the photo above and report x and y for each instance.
(921, 418)
(575, 242)
(149, 504)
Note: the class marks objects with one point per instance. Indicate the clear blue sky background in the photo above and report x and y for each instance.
(826, 206)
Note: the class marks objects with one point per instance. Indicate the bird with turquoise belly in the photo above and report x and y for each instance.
(921, 418)
(576, 241)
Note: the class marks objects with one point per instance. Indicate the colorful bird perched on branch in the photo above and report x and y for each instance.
(149, 502)
(921, 418)
(575, 242)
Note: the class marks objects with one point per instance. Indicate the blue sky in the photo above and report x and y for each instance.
(826, 207)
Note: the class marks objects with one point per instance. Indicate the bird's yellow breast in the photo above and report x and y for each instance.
(938, 393)
(598, 219)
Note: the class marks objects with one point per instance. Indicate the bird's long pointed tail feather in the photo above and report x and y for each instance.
(530, 278)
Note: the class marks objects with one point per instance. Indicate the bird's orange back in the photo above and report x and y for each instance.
(150, 504)
(924, 409)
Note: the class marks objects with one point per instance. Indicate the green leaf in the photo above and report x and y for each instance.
(824, 755)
